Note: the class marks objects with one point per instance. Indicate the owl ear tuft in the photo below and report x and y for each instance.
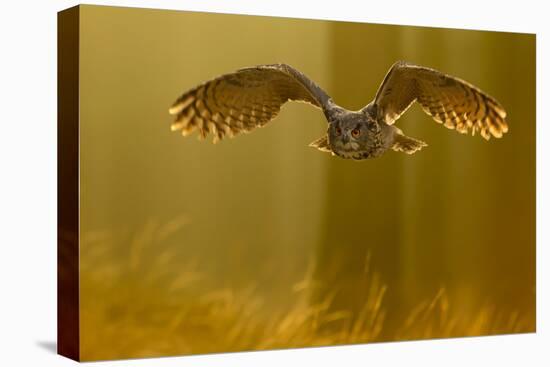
(321, 144)
(370, 109)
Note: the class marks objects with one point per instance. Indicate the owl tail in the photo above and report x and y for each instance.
(406, 144)
(321, 144)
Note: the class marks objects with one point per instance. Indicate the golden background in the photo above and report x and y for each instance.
(261, 242)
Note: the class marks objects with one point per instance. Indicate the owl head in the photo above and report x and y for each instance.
(353, 134)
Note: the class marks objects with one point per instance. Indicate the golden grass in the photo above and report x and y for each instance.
(149, 304)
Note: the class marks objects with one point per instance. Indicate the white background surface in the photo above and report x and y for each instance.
(28, 183)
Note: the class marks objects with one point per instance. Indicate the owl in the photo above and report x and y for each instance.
(251, 97)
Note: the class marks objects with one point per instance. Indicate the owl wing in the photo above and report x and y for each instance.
(243, 100)
(451, 101)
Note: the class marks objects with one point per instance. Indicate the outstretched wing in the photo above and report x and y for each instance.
(451, 101)
(243, 100)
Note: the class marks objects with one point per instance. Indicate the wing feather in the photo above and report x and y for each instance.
(243, 100)
(451, 101)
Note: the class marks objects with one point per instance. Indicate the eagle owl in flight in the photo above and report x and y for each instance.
(252, 97)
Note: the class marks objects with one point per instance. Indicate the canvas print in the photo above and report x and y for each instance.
(233, 183)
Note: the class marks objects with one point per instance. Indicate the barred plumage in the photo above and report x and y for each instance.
(241, 101)
(452, 102)
(251, 97)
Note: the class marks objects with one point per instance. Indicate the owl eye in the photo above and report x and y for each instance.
(338, 131)
(355, 133)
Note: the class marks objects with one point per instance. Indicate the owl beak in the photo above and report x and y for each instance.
(345, 138)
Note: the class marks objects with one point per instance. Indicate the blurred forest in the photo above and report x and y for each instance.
(261, 242)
